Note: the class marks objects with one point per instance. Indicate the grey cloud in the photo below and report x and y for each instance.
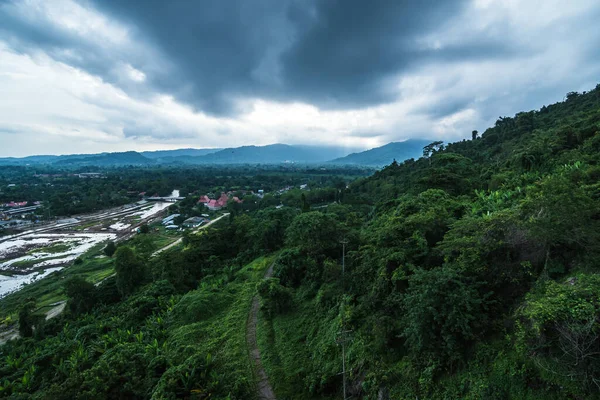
(446, 106)
(365, 134)
(347, 49)
(334, 54)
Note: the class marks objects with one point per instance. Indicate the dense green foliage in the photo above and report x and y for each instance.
(471, 273)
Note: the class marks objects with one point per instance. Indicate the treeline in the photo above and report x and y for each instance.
(67, 194)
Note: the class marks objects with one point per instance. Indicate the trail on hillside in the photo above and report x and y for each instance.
(265, 391)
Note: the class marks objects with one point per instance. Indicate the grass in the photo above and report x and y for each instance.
(298, 350)
(25, 265)
(212, 319)
(161, 240)
(85, 225)
(52, 249)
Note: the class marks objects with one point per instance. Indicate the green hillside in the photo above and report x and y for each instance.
(471, 273)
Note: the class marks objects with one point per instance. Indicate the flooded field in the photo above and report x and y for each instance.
(34, 254)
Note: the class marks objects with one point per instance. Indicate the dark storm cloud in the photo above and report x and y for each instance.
(27, 35)
(347, 49)
(218, 48)
(335, 54)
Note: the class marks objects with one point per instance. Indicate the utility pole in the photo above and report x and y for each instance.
(343, 339)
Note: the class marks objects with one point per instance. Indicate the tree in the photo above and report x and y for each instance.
(26, 318)
(144, 228)
(432, 148)
(81, 294)
(475, 134)
(313, 232)
(110, 248)
(275, 298)
(442, 314)
(305, 205)
(129, 270)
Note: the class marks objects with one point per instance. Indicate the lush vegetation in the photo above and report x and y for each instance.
(471, 273)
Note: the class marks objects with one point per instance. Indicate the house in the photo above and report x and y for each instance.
(212, 205)
(203, 199)
(217, 204)
(168, 220)
(171, 227)
(16, 204)
(193, 222)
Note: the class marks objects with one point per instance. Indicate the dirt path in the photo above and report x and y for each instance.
(265, 391)
(56, 310)
(175, 243)
(13, 333)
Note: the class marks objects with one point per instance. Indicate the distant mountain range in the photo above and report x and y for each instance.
(270, 154)
(385, 155)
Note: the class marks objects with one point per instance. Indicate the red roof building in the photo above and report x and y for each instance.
(215, 204)
(17, 204)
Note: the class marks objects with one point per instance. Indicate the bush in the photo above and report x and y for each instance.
(275, 298)
(443, 314)
(81, 294)
(110, 248)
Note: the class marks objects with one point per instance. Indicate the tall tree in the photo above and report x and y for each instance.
(129, 270)
(110, 248)
(26, 318)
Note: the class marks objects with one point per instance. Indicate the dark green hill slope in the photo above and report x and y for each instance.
(475, 274)
(385, 155)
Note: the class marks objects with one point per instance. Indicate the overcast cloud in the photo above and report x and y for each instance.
(83, 76)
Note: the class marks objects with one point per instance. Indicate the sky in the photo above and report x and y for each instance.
(88, 76)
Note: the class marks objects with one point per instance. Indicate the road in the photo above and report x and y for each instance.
(178, 241)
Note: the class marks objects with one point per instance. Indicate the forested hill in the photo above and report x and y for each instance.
(471, 273)
(514, 152)
(477, 273)
(385, 155)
